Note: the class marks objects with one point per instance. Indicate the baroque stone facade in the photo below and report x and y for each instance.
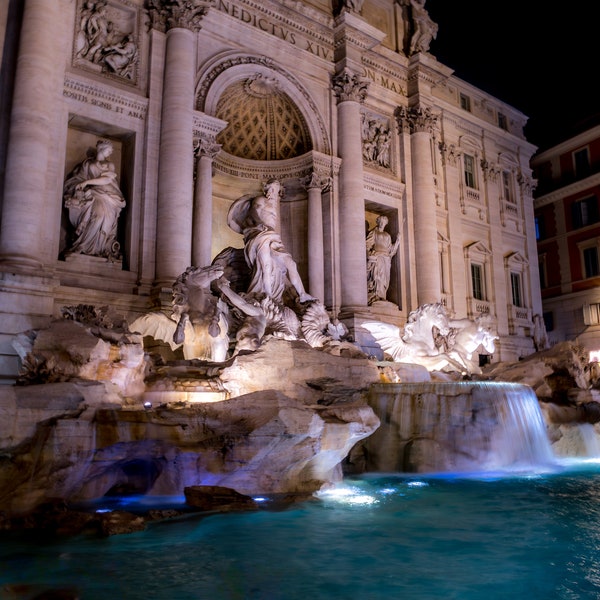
(203, 101)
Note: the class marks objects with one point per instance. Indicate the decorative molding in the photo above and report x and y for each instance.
(96, 95)
(383, 186)
(299, 167)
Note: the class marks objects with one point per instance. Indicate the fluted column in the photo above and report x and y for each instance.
(420, 123)
(316, 185)
(351, 91)
(206, 150)
(176, 158)
(37, 98)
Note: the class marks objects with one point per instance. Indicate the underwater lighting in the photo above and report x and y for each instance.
(260, 499)
(147, 405)
(417, 484)
(348, 495)
(104, 510)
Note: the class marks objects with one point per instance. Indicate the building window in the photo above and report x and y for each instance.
(477, 281)
(515, 284)
(502, 122)
(591, 314)
(469, 162)
(585, 212)
(507, 187)
(590, 262)
(549, 320)
(465, 102)
(540, 227)
(581, 162)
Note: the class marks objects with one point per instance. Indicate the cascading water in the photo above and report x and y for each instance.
(456, 427)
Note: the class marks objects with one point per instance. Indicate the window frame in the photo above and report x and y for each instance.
(465, 101)
(516, 288)
(508, 189)
(581, 215)
(469, 170)
(581, 168)
(478, 291)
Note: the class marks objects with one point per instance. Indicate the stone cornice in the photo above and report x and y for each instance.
(206, 126)
(299, 167)
(94, 93)
(567, 190)
(383, 186)
(385, 66)
(353, 30)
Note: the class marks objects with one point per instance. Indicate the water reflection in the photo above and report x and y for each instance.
(376, 537)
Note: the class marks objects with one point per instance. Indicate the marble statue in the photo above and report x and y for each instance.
(273, 268)
(419, 28)
(380, 251)
(202, 320)
(120, 58)
(94, 202)
(433, 340)
(246, 295)
(466, 336)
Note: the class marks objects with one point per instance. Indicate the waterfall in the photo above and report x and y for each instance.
(591, 443)
(456, 427)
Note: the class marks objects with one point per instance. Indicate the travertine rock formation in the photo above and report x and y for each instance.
(291, 416)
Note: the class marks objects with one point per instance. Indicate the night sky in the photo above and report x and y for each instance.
(532, 54)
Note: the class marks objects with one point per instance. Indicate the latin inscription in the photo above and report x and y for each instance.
(384, 81)
(89, 94)
(275, 29)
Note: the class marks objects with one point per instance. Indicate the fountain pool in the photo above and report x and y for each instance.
(469, 537)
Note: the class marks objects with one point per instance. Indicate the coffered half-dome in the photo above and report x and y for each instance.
(263, 122)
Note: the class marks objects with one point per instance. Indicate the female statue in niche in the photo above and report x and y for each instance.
(94, 201)
(380, 251)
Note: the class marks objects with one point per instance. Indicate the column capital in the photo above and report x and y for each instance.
(349, 86)
(415, 120)
(316, 181)
(206, 146)
(170, 14)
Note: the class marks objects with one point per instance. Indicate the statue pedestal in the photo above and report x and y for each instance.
(92, 264)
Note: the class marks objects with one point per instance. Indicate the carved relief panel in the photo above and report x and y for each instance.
(106, 39)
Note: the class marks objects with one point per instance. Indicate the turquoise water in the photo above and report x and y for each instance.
(535, 535)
